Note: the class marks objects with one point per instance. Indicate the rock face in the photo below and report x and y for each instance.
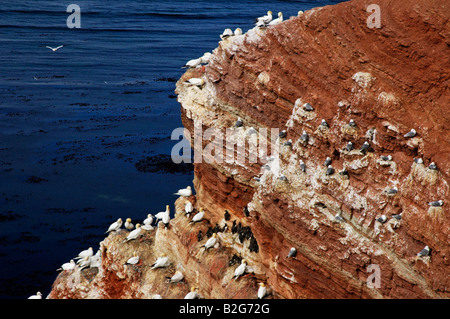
(389, 80)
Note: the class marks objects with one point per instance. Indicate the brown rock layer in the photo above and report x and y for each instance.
(388, 80)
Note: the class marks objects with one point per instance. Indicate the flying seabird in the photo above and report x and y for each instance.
(278, 20)
(302, 166)
(382, 219)
(133, 260)
(330, 170)
(262, 291)
(433, 166)
(193, 294)
(386, 158)
(38, 295)
(55, 49)
(308, 107)
(128, 224)
(282, 134)
(437, 203)
(349, 147)
(424, 252)
(161, 262)
(67, 266)
(193, 63)
(188, 208)
(364, 147)
(352, 123)
(177, 277)
(85, 253)
(195, 81)
(198, 217)
(239, 122)
(226, 33)
(411, 133)
(327, 161)
(292, 252)
(115, 226)
(134, 234)
(240, 270)
(186, 192)
(211, 242)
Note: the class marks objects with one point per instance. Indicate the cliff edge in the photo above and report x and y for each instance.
(357, 230)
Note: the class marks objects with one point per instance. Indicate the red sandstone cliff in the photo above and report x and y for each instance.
(388, 80)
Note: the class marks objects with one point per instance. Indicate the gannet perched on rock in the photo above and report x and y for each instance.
(193, 294)
(265, 19)
(226, 34)
(411, 133)
(160, 215)
(262, 291)
(115, 226)
(134, 234)
(85, 253)
(128, 224)
(292, 252)
(278, 20)
(437, 203)
(177, 277)
(240, 270)
(148, 220)
(161, 262)
(67, 266)
(186, 192)
(193, 63)
(211, 242)
(206, 57)
(195, 82)
(198, 217)
(238, 31)
(188, 208)
(133, 260)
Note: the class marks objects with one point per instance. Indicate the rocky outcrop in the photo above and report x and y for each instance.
(389, 80)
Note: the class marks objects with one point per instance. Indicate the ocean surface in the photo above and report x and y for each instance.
(85, 130)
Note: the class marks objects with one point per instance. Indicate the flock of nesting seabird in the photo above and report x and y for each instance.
(86, 258)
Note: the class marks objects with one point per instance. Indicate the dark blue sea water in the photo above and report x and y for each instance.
(74, 123)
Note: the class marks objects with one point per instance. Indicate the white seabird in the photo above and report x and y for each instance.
(206, 57)
(193, 63)
(195, 81)
(133, 260)
(349, 147)
(148, 220)
(226, 33)
(67, 266)
(38, 295)
(55, 49)
(292, 252)
(424, 252)
(238, 31)
(302, 166)
(198, 217)
(211, 242)
(188, 208)
(193, 294)
(308, 107)
(278, 20)
(262, 291)
(386, 158)
(265, 19)
(85, 253)
(161, 262)
(186, 192)
(166, 220)
(115, 226)
(330, 170)
(327, 161)
(177, 277)
(352, 123)
(436, 203)
(382, 219)
(85, 262)
(411, 133)
(134, 234)
(392, 191)
(128, 224)
(240, 270)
